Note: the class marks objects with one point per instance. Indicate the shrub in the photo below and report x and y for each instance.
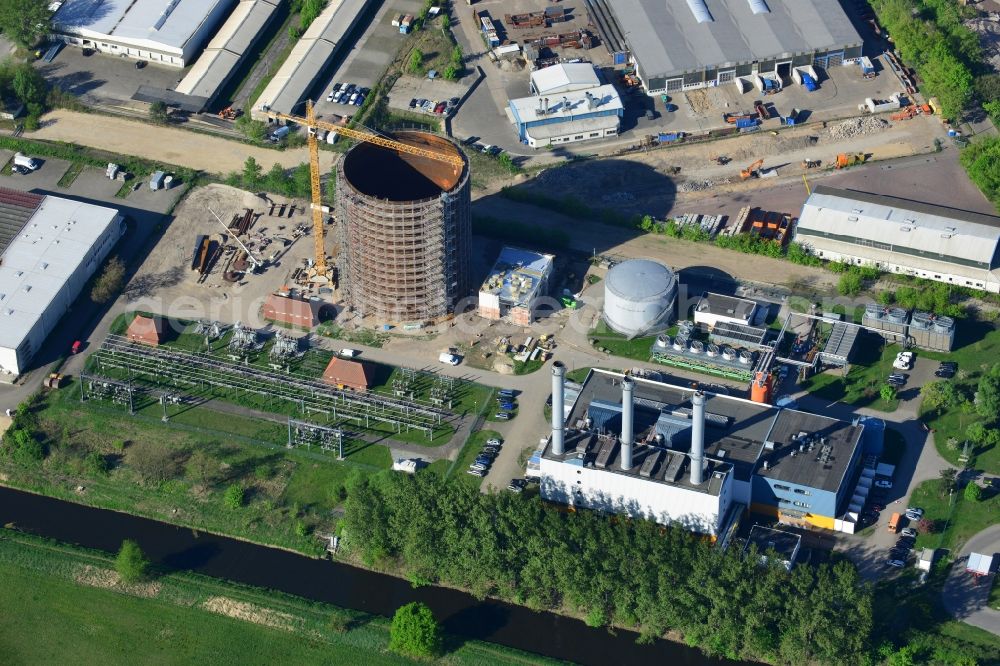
(131, 564)
(973, 493)
(850, 284)
(234, 497)
(109, 282)
(415, 632)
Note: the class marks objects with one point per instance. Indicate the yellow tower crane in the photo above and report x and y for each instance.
(321, 272)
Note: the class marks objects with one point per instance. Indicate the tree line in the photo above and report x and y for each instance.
(629, 573)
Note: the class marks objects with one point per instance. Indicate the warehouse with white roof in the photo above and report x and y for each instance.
(49, 248)
(223, 55)
(167, 32)
(686, 44)
(309, 58)
(902, 236)
(564, 77)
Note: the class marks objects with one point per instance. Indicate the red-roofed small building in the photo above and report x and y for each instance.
(342, 373)
(145, 331)
(290, 311)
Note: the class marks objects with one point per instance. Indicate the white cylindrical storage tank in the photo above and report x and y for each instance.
(639, 297)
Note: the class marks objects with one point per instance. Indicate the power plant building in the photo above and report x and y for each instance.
(699, 460)
(405, 231)
(49, 248)
(166, 32)
(683, 45)
(902, 236)
(576, 115)
(640, 297)
(514, 285)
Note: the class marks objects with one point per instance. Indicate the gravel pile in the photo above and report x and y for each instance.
(698, 185)
(858, 127)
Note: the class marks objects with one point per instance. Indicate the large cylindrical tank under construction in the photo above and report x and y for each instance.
(405, 228)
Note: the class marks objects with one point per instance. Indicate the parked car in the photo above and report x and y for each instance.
(351, 87)
(364, 91)
(944, 373)
(494, 442)
(517, 485)
(899, 564)
(909, 532)
(439, 108)
(476, 472)
(508, 406)
(914, 513)
(494, 151)
(505, 393)
(481, 466)
(883, 483)
(76, 347)
(904, 360)
(502, 416)
(413, 103)
(487, 148)
(450, 359)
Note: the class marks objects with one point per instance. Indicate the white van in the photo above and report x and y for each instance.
(349, 353)
(450, 359)
(25, 162)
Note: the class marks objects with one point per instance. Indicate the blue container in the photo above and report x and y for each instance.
(746, 122)
(620, 58)
(809, 82)
(667, 138)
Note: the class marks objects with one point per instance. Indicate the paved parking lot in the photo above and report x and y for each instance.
(105, 79)
(370, 55)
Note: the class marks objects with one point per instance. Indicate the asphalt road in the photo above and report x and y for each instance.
(964, 595)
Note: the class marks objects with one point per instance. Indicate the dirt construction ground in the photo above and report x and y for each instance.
(165, 144)
(165, 283)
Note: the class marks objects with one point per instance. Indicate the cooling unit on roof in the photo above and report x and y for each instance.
(700, 11)
(759, 7)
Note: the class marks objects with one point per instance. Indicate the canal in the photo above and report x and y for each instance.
(338, 584)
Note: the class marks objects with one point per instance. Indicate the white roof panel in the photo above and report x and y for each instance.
(568, 105)
(169, 22)
(895, 224)
(580, 74)
(54, 243)
(94, 16)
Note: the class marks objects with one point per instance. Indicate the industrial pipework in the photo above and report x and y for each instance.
(558, 410)
(628, 409)
(697, 438)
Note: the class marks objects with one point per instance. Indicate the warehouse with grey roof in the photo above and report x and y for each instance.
(902, 236)
(686, 44)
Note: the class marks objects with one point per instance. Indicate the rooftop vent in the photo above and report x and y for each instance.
(759, 7)
(700, 11)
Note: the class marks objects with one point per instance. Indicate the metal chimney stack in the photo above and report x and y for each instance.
(698, 438)
(628, 409)
(558, 410)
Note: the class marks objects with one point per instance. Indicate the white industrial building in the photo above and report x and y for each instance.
(680, 456)
(309, 58)
(611, 472)
(902, 236)
(563, 78)
(49, 248)
(514, 285)
(577, 115)
(640, 297)
(167, 32)
(714, 309)
(222, 57)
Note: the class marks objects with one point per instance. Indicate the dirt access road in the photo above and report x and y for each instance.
(165, 144)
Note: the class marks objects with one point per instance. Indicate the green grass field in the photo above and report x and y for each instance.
(955, 525)
(872, 365)
(65, 605)
(977, 347)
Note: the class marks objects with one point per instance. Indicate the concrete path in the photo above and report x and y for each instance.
(964, 595)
